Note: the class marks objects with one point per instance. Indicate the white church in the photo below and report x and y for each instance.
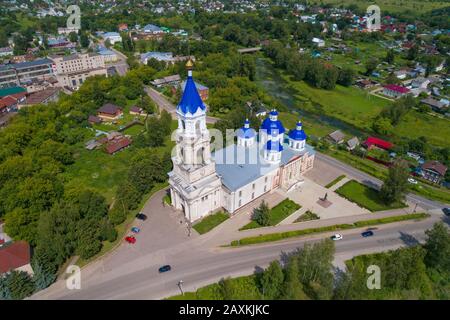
(203, 182)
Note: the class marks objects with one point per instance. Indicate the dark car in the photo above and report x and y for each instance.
(165, 268)
(141, 216)
(366, 234)
(446, 211)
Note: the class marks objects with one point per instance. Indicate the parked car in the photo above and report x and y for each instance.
(165, 268)
(446, 211)
(336, 237)
(141, 216)
(130, 239)
(135, 230)
(412, 181)
(366, 234)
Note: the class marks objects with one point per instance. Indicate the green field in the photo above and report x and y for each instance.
(415, 125)
(393, 6)
(210, 222)
(348, 104)
(366, 197)
(277, 214)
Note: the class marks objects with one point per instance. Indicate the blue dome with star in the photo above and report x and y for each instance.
(191, 100)
(272, 125)
(298, 133)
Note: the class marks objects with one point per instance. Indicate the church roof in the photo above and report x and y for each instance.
(298, 133)
(191, 100)
(248, 165)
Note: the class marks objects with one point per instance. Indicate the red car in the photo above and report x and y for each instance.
(130, 239)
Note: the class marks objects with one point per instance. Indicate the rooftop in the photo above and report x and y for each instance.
(247, 164)
(14, 256)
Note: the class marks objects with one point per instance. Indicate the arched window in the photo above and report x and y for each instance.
(182, 154)
(183, 124)
(197, 126)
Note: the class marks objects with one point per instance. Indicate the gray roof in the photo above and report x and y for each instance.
(27, 64)
(337, 135)
(246, 166)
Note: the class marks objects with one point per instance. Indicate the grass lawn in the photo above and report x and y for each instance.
(415, 125)
(210, 222)
(134, 130)
(296, 233)
(277, 214)
(332, 183)
(365, 197)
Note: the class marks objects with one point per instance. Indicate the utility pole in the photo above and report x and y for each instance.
(180, 285)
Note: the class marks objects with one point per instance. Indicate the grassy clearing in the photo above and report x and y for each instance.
(277, 214)
(307, 216)
(438, 194)
(210, 222)
(366, 197)
(291, 234)
(332, 183)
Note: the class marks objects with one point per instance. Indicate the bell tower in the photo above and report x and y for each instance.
(194, 185)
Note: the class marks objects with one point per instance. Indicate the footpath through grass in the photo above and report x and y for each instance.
(210, 222)
(296, 233)
(332, 183)
(277, 214)
(366, 197)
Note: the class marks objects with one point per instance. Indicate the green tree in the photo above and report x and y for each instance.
(73, 37)
(261, 214)
(271, 281)
(292, 288)
(437, 248)
(390, 56)
(395, 184)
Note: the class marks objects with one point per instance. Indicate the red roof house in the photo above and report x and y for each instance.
(15, 256)
(117, 145)
(395, 91)
(372, 141)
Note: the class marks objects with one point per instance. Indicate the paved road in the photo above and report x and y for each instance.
(198, 267)
(374, 182)
(165, 104)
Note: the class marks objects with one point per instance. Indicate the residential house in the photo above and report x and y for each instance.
(152, 29)
(169, 80)
(117, 143)
(377, 142)
(138, 111)
(336, 137)
(434, 104)
(320, 43)
(109, 112)
(420, 82)
(94, 120)
(15, 256)
(352, 143)
(395, 91)
(113, 37)
(122, 27)
(433, 171)
(108, 55)
(42, 97)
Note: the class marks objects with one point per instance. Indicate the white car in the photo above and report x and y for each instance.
(411, 180)
(336, 237)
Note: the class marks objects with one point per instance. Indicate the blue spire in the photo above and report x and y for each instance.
(246, 132)
(191, 100)
(272, 125)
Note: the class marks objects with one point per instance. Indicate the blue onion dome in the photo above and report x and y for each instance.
(272, 125)
(246, 132)
(191, 100)
(298, 133)
(274, 146)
